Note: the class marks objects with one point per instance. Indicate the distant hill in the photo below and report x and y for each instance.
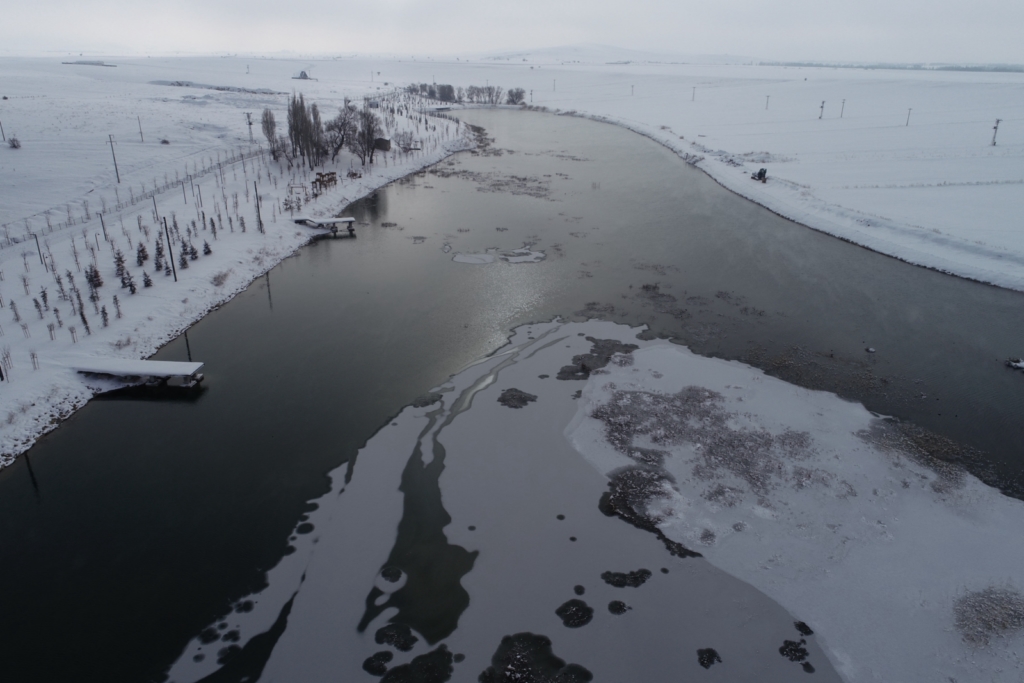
(607, 54)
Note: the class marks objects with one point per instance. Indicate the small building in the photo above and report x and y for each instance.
(382, 144)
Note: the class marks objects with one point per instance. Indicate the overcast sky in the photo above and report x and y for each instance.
(855, 30)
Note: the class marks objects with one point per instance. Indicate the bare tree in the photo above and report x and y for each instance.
(316, 141)
(446, 93)
(363, 143)
(490, 94)
(340, 129)
(515, 96)
(270, 131)
(306, 131)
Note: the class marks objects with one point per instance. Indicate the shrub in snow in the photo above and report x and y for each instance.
(183, 261)
(141, 254)
(92, 276)
(13, 142)
(206, 248)
(119, 265)
(146, 280)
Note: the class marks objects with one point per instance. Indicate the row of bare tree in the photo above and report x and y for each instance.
(313, 141)
(488, 94)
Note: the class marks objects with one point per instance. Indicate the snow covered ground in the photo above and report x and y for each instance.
(61, 186)
(908, 569)
(934, 192)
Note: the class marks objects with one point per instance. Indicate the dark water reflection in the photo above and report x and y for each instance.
(148, 518)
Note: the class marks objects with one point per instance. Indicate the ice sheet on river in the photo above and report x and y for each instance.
(523, 255)
(473, 535)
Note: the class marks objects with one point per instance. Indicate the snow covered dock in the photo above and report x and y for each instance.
(158, 369)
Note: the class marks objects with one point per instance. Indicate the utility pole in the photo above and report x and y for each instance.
(553, 82)
(908, 116)
(156, 214)
(842, 109)
(116, 172)
(2, 131)
(259, 216)
(531, 97)
(140, 128)
(248, 122)
(170, 252)
(767, 97)
(104, 226)
(38, 249)
(995, 129)
(822, 114)
(631, 90)
(693, 97)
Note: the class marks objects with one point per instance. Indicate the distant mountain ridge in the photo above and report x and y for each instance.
(591, 53)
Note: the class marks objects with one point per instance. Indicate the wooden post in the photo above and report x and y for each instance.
(170, 252)
(259, 216)
(116, 172)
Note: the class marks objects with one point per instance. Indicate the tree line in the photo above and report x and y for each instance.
(488, 94)
(311, 140)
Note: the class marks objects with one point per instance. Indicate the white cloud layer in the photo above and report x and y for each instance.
(868, 30)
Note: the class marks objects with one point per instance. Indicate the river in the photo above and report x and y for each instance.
(141, 520)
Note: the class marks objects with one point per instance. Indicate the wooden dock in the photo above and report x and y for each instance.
(332, 224)
(189, 372)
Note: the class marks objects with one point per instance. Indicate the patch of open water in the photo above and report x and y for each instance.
(140, 523)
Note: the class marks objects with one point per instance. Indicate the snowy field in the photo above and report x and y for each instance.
(61, 186)
(936, 192)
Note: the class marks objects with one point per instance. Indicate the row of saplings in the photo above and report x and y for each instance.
(187, 252)
(95, 281)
